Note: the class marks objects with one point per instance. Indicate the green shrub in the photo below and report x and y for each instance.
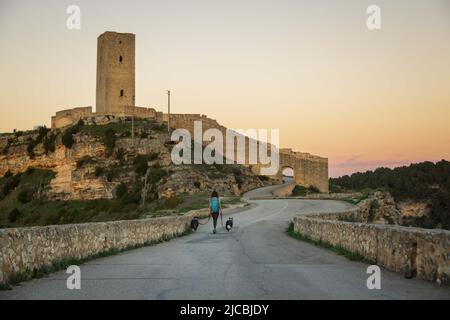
(155, 175)
(24, 197)
(153, 156)
(313, 189)
(121, 191)
(143, 135)
(236, 171)
(99, 171)
(110, 140)
(30, 148)
(111, 175)
(52, 218)
(120, 155)
(13, 215)
(172, 202)
(141, 164)
(8, 174)
(197, 184)
(49, 143)
(85, 160)
(299, 191)
(67, 138)
(11, 183)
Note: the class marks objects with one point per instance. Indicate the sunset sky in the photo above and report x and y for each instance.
(362, 98)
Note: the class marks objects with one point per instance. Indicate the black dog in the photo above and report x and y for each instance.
(229, 224)
(194, 223)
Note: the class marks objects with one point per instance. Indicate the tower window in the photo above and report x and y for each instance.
(120, 59)
(121, 93)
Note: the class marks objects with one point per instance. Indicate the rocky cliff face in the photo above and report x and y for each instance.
(380, 208)
(99, 161)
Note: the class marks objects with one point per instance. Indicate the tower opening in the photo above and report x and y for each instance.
(121, 93)
(120, 59)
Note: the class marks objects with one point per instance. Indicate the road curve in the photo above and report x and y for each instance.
(257, 260)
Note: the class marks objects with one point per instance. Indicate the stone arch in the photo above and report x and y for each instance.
(287, 173)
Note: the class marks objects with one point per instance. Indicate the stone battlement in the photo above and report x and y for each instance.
(69, 117)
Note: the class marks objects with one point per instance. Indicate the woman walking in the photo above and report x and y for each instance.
(214, 208)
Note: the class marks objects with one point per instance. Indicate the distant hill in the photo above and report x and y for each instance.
(426, 181)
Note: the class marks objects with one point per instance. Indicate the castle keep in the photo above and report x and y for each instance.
(115, 72)
(115, 98)
(115, 91)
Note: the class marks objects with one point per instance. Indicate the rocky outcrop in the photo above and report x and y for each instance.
(380, 208)
(89, 170)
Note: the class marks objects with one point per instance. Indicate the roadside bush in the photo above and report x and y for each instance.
(313, 189)
(13, 215)
(197, 184)
(299, 191)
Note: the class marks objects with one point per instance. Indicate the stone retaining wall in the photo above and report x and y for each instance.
(35, 247)
(424, 253)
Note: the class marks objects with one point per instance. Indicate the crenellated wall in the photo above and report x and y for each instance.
(69, 117)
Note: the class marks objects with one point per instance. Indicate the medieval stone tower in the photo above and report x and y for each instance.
(115, 72)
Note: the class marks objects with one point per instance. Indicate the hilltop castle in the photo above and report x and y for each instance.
(115, 92)
(115, 98)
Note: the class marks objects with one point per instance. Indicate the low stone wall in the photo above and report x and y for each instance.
(32, 248)
(423, 253)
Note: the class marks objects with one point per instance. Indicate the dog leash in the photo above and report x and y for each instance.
(209, 218)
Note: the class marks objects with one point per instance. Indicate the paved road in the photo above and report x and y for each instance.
(258, 260)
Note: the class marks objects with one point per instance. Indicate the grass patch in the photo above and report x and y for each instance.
(355, 201)
(326, 245)
(64, 263)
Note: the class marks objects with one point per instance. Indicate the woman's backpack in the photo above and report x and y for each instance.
(214, 205)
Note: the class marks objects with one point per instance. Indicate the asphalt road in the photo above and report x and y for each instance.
(257, 260)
